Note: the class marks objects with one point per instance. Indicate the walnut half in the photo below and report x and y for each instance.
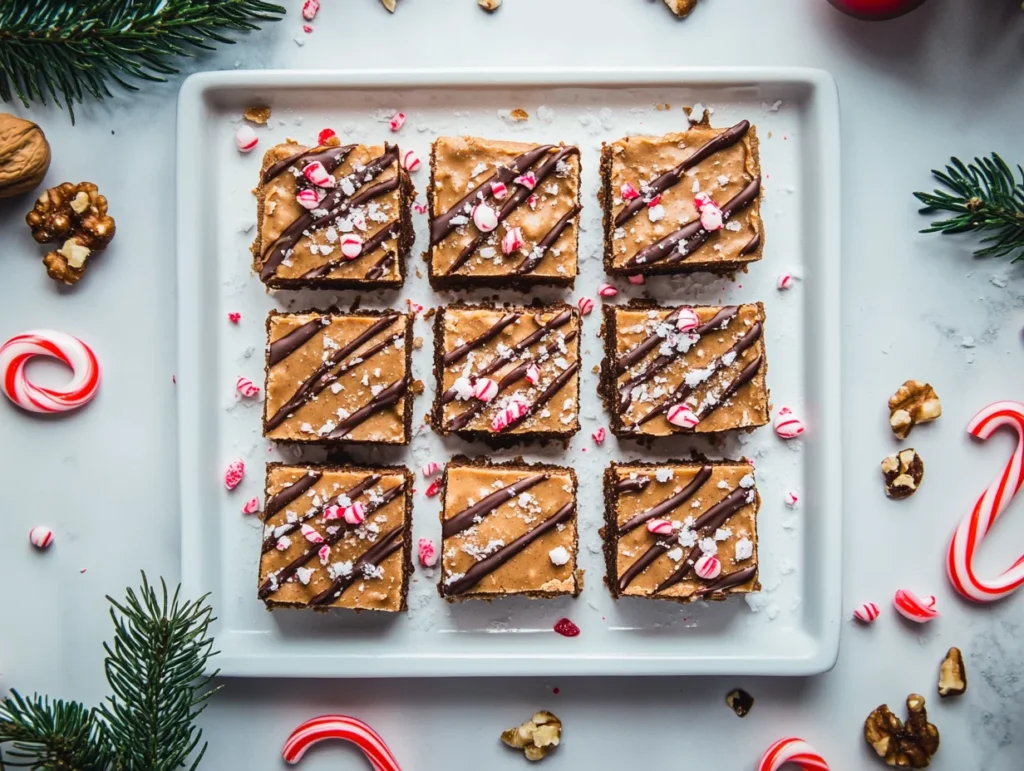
(76, 217)
(903, 473)
(537, 737)
(906, 745)
(914, 402)
(952, 674)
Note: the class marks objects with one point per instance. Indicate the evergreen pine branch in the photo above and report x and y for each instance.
(53, 735)
(983, 196)
(69, 51)
(156, 670)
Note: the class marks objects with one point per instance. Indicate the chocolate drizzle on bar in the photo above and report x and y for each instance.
(673, 176)
(456, 354)
(684, 390)
(388, 544)
(489, 564)
(281, 499)
(270, 541)
(370, 245)
(336, 204)
(632, 485)
(727, 581)
(669, 504)
(331, 158)
(279, 577)
(334, 367)
(285, 346)
(382, 401)
(515, 199)
(708, 522)
(465, 518)
(538, 251)
(678, 245)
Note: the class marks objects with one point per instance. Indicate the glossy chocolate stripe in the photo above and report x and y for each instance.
(715, 517)
(441, 225)
(323, 377)
(681, 572)
(383, 264)
(668, 250)
(646, 559)
(654, 367)
(683, 390)
(464, 519)
(270, 541)
(389, 543)
(521, 194)
(727, 581)
(489, 334)
(489, 564)
(336, 203)
(282, 498)
(512, 376)
(386, 398)
(330, 539)
(498, 362)
(285, 346)
(331, 158)
(645, 346)
(542, 246)
(669, 504)
(745, 376)
(752, 244)
(370, 245)
(547, 394)
(672, 177)
(635, 485)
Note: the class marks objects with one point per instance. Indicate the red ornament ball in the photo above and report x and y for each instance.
(876, 10)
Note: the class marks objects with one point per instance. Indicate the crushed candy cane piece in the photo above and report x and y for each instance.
(599, 435)
(637, 279)
(512, 240)
(660, 527)
(234, 474)
(586, 306)
(310, 534)
(499, 190)
(411, 161)
(351, 246)
(628, 192)
(251, 506)
(485, 389)
(681, 415)
(308, 198)
(234, 317)
(397, 121)
(427, 552)
(318, 175)
(310, 9)
(246, 387)
(429, 469)
(325, 136)
(245, 138)
(40, 537)
(485, 218)
(533, 374)
(433, 488)
(527, 180)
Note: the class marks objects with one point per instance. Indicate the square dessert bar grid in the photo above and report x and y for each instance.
(698, 508)
(339, 377)
(651, 190)
(502, 214)
(336, 537)
(507, 373)
(684, 370)
(508, 529)
(332, 217)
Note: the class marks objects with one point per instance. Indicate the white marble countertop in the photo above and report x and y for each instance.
(944, 80)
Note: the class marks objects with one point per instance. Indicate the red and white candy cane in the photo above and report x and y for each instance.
(914, 608)
(20, 349)
(993, 502)
(341, 727)
(795, 751)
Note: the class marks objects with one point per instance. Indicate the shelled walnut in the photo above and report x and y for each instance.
(681, 7)
(537, 737)
(914, 402)
(906, 745)
(952, 674)
(76, 217)
(903, 473)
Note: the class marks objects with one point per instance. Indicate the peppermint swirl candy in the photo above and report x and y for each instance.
(16, 353)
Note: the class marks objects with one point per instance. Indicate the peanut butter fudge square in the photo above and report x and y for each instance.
(338, 377)
(682, 202)
(684, 370)
(336, 537)
(502, 214)
(507, 372)
(332, 217)
(508, 529)
(681, 531)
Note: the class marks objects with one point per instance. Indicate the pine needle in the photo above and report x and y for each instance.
(68, 52)
(984, 196)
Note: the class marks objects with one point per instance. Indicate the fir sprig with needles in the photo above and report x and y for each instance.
(156, 667)
(985, 197)
(71, 51)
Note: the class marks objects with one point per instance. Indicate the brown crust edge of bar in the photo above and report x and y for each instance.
(510, 281)
(406, 237)
(410, 394)
(407, 542)
(607, 380)
(718, 267)
(514, 464)
(491, 439)
(609, 544)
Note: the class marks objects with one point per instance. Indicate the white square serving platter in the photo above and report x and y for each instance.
(790, 628)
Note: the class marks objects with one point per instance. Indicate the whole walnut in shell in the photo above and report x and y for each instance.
(76, 217)
(24, 156)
